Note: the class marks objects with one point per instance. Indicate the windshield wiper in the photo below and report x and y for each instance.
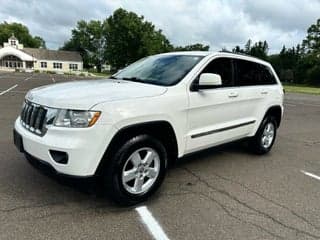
(113, 77)
(134, 79)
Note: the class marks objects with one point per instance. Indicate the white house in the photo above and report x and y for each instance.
(14, 56)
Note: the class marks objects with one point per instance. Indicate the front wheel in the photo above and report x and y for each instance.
(136, 170)
(264, 139)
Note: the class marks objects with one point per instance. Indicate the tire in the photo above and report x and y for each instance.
(264, 139)
(131, 160)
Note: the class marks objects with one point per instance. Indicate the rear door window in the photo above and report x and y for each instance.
(250, 74)
(266, 75)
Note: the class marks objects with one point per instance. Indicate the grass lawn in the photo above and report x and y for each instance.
(297, 88)
(101, 74)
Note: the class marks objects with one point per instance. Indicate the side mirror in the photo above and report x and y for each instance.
(209, 80)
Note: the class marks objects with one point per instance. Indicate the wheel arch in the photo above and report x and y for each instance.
(275, 111)
(161, 130)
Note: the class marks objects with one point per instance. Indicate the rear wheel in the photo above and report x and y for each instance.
(136, 170)
(264, 139)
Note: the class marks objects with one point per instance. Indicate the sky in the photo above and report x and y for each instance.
(218, 23)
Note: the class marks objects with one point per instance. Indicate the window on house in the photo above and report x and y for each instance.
(73, 66)
(57, 65)
(43, 64)
(13, 42)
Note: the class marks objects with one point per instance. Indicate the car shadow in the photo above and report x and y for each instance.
(237, 147)
(93, 186)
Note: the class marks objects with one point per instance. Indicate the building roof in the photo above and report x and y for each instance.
(12, 37)
(59, 55)
(15, 52)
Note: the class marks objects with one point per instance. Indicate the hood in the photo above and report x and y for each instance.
(85, 94)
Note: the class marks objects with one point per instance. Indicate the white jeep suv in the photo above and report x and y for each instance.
(129, 128)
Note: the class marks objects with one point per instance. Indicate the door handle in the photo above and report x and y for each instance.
(233, 95)
(264, 92)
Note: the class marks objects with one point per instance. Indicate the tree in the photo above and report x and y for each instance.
(22, 33)
(286, 62)
(40, 42)
(130, 37)
(312, 42)
(247, 47)
(238, 49)
(258, 49)
(308, 67)
(89, 38)
(193, 47)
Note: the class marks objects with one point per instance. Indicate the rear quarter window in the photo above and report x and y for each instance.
(251, 73)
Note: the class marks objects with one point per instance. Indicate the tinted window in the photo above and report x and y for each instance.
(266, 75)
(223, 67)
(250, 73)
(159, 69)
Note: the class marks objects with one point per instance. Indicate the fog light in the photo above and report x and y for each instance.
(59, 157)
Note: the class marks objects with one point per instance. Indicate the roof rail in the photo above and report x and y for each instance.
(241, 54)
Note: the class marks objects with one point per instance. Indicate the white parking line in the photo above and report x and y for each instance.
(26, 79)
(310, 175)
(9, 89)
(151, 223)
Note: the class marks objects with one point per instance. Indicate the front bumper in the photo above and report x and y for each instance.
(84, 147)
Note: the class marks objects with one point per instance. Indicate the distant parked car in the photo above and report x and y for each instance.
(130, 127)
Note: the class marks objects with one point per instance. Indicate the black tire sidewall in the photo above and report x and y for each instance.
(113, 175)
(256, 143)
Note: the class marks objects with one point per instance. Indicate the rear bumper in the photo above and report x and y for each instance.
(84, 147)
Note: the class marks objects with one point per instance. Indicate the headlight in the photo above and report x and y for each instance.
(76, 118)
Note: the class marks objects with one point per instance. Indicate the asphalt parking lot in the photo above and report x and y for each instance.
(222, 193)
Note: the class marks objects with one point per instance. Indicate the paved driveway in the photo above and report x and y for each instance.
(222, 193)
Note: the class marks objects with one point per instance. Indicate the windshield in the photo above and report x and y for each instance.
(163, 70)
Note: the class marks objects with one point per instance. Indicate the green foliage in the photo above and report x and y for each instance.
(21, 32)
(300, 64)
(313, 75)
(130, 37)
(40, 42)
(312, 42)
(89, 38)
(258, 49)
(193, 47)
(302, 88)
(286, 63)
(119, 40)
(125, 37)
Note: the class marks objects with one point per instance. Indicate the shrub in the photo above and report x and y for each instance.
(313, 75)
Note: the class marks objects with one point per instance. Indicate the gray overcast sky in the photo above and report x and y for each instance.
(219, 23)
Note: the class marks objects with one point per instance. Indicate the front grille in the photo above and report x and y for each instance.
(33, 118)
